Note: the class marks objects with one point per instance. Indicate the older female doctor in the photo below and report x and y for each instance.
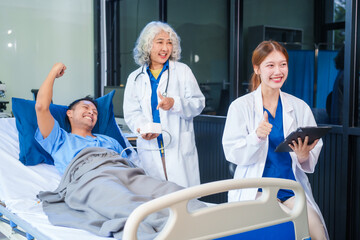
(164, 91)
(257, 122)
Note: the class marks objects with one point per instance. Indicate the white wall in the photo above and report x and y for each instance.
(44, 32)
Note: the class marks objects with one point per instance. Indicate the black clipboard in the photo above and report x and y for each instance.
(313, 133)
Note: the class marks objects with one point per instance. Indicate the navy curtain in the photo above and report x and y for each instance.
(326, 75)
(300, 81)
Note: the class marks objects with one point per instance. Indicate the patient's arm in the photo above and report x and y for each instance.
(44, 118)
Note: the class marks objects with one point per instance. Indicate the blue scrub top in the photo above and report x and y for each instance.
(154, 102)
(64, 146)
(278, 164)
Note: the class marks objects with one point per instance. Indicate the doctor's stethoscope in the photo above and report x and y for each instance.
(164, 94)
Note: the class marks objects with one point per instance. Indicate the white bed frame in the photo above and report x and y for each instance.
(214, 221)
(224, 219)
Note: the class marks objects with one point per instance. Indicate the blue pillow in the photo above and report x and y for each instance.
(31, 153)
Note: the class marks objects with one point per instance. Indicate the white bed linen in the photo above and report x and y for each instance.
(20, 184)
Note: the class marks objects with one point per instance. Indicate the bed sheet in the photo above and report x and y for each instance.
(20, 184)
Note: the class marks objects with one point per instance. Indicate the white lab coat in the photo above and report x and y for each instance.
(180, 155)
(243, 148)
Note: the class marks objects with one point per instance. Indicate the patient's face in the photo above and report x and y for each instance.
(83, 115)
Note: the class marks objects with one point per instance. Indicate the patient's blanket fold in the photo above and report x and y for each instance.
(99, 190)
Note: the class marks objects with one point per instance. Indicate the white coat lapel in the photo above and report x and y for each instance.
(171, 65)
(259, 107)
(163, 82)
(164, 78)
(145, 86)
(288, 116)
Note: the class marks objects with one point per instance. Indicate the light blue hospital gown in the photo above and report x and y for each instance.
(64, 146)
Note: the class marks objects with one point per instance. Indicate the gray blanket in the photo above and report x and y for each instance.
(99, 190)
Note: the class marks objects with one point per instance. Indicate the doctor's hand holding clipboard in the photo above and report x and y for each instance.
(297, 141)
(302, 149)
(301, 137)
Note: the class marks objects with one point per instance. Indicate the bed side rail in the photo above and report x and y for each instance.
(224, 219)
(15, 228)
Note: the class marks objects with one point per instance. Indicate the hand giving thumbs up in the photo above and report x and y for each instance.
(165, 103)
(264, 127)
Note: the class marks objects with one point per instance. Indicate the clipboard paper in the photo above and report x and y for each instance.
(313, 133)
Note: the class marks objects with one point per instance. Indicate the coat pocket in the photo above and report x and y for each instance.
(187, 144)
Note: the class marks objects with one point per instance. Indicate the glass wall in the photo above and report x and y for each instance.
(36, 34)
(204, 33)
(134, 15)
(335, 11)
(315, 62)
(268, 23)
(357, 82)
(334, 47)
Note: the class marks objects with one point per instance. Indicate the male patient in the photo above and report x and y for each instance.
(82, 115)
(99, 188)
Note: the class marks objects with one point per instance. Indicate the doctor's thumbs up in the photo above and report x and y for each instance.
(264, 127)
(266, 116)
(166, 103)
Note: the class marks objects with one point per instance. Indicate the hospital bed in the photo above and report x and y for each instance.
(22, 217)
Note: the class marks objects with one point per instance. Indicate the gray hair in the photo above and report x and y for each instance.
(145, 42)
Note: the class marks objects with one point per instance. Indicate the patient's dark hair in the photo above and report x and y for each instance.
(87, 98)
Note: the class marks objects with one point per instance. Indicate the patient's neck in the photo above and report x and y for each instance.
(82, 132)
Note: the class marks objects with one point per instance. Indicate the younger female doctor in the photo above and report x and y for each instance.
(164, 91)
(257, 122)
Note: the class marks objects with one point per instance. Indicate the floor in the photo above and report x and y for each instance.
(2, 237)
